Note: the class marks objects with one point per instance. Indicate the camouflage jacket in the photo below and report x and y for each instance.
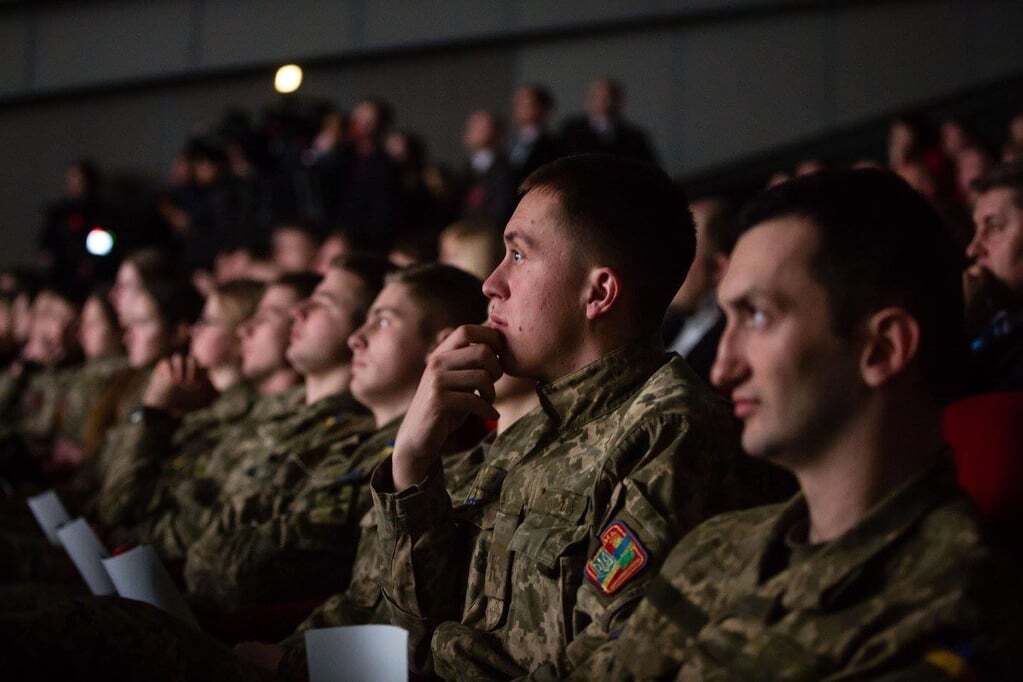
(84, 386)
(900, 596)
(155, 446)
(362, 603)
(574, 510)
(191, 501)
(296, 538)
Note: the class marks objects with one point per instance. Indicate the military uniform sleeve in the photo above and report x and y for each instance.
(133, 456)
(429, 550)
(675, 484)
(305, 550)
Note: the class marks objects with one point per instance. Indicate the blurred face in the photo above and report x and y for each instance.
(537, 293)
(52, 334)
(480, 131)
(74, 182)
(323, 322)
(1016, 129)
(466, 253)
(96, 334)
(793, 382)
(389, 351)
(332, 247)
(365, 120)
(22, 317)
(526, 110)
(264, 336)
(971, 164)
(206, 171)
(294, 250)
(600, 100)
(998, 238)
(214, 342)
(127, 285)
(146, 337)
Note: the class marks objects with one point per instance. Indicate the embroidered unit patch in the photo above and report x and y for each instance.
(620, 557)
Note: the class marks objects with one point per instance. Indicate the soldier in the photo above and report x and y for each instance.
(297, 536)
(844, 324)
(418, 308)
(163, 422)
(628, 450)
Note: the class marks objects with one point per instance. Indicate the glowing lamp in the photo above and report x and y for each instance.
(99, 242)
(288, 78)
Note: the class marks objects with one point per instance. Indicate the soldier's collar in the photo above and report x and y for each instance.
(822, 579)
(599, 387)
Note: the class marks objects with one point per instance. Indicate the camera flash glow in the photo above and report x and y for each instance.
(288, 78)
(99, 242)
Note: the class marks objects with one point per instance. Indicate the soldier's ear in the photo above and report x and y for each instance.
(440, 336)
(603, 287)
(892, 342)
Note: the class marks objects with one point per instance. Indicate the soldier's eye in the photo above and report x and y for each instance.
(516, 256)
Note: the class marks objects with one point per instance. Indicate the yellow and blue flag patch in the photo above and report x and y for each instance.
(619, 557)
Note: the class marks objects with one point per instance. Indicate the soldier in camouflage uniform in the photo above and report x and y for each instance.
(298, 535)
(579, 502)
(877, 569)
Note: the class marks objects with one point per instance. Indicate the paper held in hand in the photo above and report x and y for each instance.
(50, 514)
(139, 574)
(87, 553)
(356, 653)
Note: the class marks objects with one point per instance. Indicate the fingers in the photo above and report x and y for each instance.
(476, 356)
(469, 334)
(472, 404)
(468, 381)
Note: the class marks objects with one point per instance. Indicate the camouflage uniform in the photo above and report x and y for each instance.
(83, 388)
(154, 444)
(743, 597)
(295, 535)
(196, 489)
(629, 453)
(362, 603)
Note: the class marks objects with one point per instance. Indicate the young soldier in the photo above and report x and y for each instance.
(165, 456)
(844, 322)
(578, 502)
(416, 309)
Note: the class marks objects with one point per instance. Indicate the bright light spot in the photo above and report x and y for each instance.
(288, 78)
(99, 242)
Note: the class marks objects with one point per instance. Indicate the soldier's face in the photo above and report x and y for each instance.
(51, 336)
(323, 322)
(793, 382)
(96, 334)
(389, 351)
(998, 240)
(537, 292)
(214, 343)
(264, 336)
(294, 250)
(146, 338)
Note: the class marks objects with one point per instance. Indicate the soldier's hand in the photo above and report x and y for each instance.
(458, 382)
(177, 384)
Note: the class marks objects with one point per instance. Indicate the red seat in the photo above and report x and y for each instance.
(985, 433)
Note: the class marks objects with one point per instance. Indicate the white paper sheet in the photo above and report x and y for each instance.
(139, 574)
(357, 653)
(87, 553)
(50, 514)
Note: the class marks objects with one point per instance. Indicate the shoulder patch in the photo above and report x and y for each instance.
(619, 557)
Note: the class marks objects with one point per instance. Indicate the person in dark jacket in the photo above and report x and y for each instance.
(531, 144)
(603, 128)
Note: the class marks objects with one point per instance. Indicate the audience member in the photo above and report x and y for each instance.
(603, 128)
(488, 190)
(532, 144)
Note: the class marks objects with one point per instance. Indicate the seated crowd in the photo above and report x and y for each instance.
(633, 436)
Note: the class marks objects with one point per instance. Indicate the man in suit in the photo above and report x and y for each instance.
(603, 128)
(531, 144)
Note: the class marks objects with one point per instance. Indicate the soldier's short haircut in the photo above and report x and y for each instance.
(240, 297)
(153, 264)
(627, 215)
(302, 283)
(371, 269)
(879, 243)
(448, 296)
(1003, 176)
